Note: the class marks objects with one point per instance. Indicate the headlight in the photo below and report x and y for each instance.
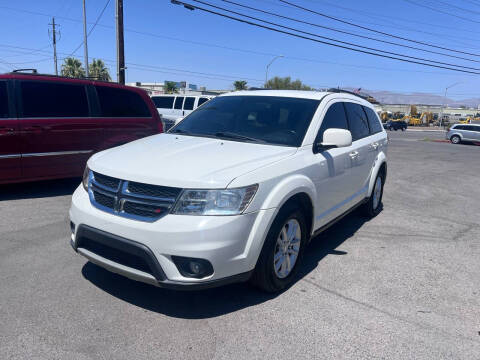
(215, 202)
(86, 174)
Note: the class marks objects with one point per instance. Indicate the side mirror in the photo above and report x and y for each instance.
(335, 138)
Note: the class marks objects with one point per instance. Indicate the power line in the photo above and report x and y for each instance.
(191, 6)
(345, 32)
(332, 39)
(376, 31)
(403, 21)
(458, 7)
(440, 11)
(93, 27)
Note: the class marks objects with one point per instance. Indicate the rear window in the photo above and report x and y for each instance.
(178, 103)
(45, 99)
(373, 121)
(164, 102)
(189, 101)
(357, 121)
(202, 101)
(3, 100)
(116, 102)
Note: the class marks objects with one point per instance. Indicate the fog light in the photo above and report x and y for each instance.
(192, 267)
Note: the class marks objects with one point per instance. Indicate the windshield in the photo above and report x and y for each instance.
(263, 119)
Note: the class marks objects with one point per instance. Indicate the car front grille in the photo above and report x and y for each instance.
(134, 200)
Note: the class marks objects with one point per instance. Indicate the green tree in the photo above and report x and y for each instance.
(170, 87)
(240, 85)
(98, 71)
(286, 83)
(72, 67)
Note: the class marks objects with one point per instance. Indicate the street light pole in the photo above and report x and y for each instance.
(444, 100)
(268, 66)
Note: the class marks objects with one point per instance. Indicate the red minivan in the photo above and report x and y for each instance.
(51, 125)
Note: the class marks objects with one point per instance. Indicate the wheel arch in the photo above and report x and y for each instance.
(380, 166)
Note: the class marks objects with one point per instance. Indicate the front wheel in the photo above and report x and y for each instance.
(282, 251)
(455, 139)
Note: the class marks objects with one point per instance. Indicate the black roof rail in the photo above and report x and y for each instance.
(337, 90)
(34, 71)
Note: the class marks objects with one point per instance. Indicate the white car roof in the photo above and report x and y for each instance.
(314, 95)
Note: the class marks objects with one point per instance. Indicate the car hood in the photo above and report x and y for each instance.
(185, 161)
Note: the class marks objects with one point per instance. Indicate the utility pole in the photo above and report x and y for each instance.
(120, 42)
(54, 39)
(85, 46)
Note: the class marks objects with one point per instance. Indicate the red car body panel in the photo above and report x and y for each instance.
(34, 148)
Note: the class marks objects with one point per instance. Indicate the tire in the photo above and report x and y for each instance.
(265, 276)
(455, 139)
(396, 129)
(374, 204)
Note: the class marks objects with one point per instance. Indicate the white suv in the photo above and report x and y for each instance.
(233, 192)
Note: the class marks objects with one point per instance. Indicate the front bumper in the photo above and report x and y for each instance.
(230, 243)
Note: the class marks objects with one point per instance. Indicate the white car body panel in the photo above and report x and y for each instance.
(333, 180)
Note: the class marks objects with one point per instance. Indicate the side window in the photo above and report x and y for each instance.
(3, 100)
(49, 99)
(189, 101)
(373, 121)
(116, 102)
(178, 103)
(334, 118)
(164, 102)
(460, 127)
(357, 121)
(202, 101)
(472, 128)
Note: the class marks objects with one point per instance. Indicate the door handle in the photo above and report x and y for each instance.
(375, 145)
(353, 155)
(34, 129)
(6, 130)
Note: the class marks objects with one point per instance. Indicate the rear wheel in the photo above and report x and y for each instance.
(455, 139)
(282, 251)
(374, 204)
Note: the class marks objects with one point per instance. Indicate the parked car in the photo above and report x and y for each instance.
(395, 125)
(50, 125)
(234, 192)
(459, 133)
(173, 107)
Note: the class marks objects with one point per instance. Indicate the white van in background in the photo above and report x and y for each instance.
(173, 107)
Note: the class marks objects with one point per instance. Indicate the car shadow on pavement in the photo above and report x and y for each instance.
(39, 189)
(214, 302)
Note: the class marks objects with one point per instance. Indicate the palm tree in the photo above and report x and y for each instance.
(98, 71)
(240, 85)
(73, 68)
(169, 87)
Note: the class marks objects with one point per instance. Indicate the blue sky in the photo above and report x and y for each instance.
(168, 42)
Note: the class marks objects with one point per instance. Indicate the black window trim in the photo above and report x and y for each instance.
(164, 96)
(348, 120)
(183, 101)
(12, 111)
(368, 120)
(19, 99)
(99, 113)
(315, 146)
(193, 105)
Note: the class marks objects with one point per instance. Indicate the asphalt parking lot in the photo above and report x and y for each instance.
(401, 286)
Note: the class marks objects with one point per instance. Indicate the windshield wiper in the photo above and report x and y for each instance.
(231, 135)
(179, 131)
